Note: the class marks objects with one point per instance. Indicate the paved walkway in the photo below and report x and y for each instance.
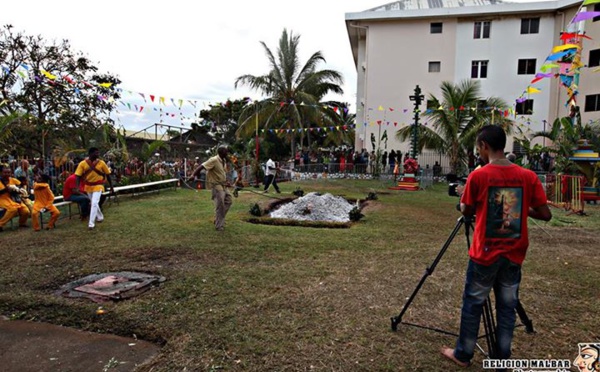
(30, 346)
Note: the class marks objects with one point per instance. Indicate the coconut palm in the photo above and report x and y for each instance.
(453, 121)
(293, 92)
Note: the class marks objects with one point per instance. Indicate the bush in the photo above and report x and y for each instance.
(355, 214)
(255, 210)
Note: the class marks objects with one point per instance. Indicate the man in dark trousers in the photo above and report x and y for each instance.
(502, 195)
(271, 176)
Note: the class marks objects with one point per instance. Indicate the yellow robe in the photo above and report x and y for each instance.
(12, 208)
(44, 199)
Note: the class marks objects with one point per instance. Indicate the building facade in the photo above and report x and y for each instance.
(503, 45)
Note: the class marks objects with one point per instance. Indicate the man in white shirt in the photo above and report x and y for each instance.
(271, 172)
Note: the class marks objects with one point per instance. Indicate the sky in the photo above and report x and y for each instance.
(186, 50)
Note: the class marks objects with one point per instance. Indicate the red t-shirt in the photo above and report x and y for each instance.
(70, 184)
(501, 196)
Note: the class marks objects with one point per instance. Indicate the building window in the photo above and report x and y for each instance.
(592, 102)
(594, 58)
(526, 67)
(481, 30)
(596, 9)
(479, 69)
(525, 107)
(436, 27)
(435, 66)
(530, 25)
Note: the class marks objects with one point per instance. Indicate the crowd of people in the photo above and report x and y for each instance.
(348, 160)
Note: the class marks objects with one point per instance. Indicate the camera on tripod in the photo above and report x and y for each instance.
(453, 183)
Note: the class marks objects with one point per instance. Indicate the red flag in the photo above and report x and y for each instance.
(152, 98)
(535, 80)
(391, 109)
(571, 35)
(379, 122)
(451, 108)
(461, 108)
(395, 123)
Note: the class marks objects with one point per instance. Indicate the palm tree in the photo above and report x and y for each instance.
(455, 119)
(293, 92)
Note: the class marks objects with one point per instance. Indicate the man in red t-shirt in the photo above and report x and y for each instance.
(72, 193)
(502, 195)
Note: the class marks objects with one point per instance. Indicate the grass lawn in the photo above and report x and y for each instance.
(259, 297)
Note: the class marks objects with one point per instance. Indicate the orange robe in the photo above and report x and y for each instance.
(44, 199)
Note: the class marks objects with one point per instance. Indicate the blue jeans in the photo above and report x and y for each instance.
(84, 204)
(504, 276)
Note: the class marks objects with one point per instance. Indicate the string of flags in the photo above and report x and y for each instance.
(566, 58)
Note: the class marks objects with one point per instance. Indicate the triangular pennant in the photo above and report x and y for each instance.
(152, 97)
(584, 16)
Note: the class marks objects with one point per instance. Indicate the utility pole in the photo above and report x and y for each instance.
(417, 98)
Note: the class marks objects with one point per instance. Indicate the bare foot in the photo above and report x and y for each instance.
(449, 353)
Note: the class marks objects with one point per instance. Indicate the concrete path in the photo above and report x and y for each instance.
(30, 346)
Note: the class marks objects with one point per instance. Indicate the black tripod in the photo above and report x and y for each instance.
(489, 323)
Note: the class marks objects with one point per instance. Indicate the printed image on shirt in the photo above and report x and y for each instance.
(504, 212)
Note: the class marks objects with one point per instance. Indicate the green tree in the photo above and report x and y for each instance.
(454, 120)
(294, 92)
(346, 121)
(565, 134)
(61, 90)
(221, 122)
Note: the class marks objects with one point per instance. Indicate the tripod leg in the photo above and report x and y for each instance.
(528, 323)
(428, 271)
(489, 326)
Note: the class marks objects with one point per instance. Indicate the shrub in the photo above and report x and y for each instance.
(355, 214)
(255, 210)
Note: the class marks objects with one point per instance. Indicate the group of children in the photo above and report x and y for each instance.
(16, 200)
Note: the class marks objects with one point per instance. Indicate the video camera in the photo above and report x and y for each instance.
(453, 182)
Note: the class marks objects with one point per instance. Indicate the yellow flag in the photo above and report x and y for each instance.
(588, 2)
(532, 90)
(560, 48)
(105, 85)
(162, 100)
(380, 108)
(48, 75)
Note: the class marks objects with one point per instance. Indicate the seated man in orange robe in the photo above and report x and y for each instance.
(10, 199)
(44, 200)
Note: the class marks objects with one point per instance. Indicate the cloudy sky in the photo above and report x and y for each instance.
(188, 50)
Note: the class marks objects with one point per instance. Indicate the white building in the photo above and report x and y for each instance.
(416, 42)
